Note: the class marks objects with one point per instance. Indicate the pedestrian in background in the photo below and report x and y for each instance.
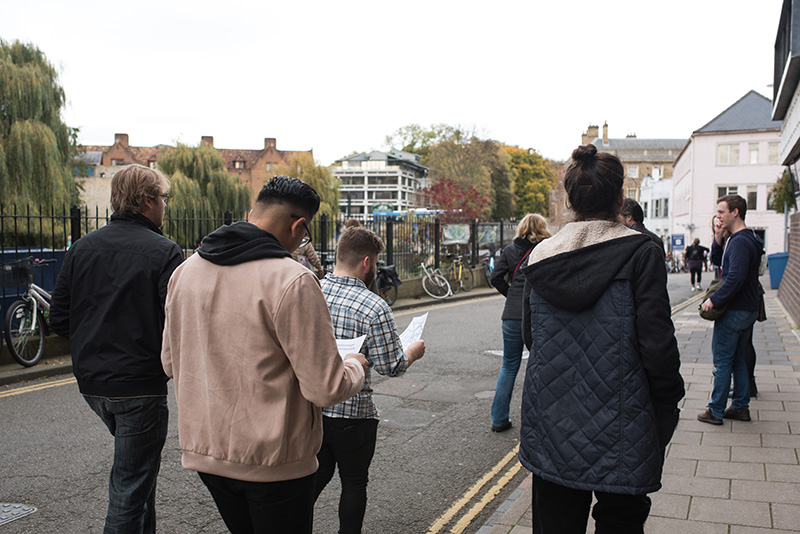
(249, 342)
(602, 385)
(306, 255)
(109, 301)
(350, 428)
(696, 255)
(531, 230)
(632, 216)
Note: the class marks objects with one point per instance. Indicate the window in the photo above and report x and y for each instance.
(657, 208)
(633, 171)
(382, 180)
(772, 152)
(352, 180)
(753, 150)
(752, 200)
(269, 167)
(385, 195)
(658, 172)
(633, 193)
(116, 162)
(666, 208)
(152, 164)
(728, 155)
(644, 209)
(727, 190)
(238, 164)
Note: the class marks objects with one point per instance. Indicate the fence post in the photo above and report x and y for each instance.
(502, 224)
(474, 243)
(323, 230)
(436, 242)
(75, 223)
(228, 218)
(390, 240)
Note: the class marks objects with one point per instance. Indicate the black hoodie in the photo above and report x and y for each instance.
(240, 242)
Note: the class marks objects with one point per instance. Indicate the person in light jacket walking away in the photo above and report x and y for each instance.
(531, 230)
(602, 386)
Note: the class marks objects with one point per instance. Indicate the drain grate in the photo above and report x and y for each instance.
(11, 511)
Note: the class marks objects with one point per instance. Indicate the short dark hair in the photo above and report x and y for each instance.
(735, 202)
(287, 190)
(356, 243)
(632, 208)
(593, 182)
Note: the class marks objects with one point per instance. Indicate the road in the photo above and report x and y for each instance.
(434, 443)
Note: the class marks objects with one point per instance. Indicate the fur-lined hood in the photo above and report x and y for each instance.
(573, 268)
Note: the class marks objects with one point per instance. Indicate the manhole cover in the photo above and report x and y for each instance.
(10, 511)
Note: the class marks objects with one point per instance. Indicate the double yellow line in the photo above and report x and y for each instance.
(37, 387)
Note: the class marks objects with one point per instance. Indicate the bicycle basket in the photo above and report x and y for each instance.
(17, 273)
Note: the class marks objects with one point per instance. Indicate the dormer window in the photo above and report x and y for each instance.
(238, 164)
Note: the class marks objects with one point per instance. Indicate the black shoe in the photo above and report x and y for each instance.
(743, 415)
(501, 428)
(710, 418)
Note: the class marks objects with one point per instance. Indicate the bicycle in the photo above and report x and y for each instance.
(459, 274)
(25, 325)
(434, 283)
(487, 264)
(386, 282)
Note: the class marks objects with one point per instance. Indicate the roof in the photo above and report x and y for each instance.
(394, 156)
(92, 157)
(635, 143)
(751, 112)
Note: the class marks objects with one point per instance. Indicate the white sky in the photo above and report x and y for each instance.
(338, 76)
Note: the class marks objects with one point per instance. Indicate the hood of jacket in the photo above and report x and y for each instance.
(240, 242)
(574, 268)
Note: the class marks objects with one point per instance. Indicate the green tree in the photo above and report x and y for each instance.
(36, 148)
(783, 193)
(302, 166)
(533, 180)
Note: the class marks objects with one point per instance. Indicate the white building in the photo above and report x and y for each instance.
(655, 199)
(380, 181)
(737, 152)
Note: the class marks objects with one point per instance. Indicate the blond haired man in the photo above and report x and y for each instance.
(109, 302)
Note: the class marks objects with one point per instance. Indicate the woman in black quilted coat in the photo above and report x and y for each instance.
(602, 386)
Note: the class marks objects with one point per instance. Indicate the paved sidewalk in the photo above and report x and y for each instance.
(738, 478)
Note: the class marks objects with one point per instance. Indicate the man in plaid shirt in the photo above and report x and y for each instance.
(350, 429)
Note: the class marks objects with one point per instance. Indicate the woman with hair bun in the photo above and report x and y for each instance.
(531, 230)
(602, 386)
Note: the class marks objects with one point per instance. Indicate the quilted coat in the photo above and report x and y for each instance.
(603, 381)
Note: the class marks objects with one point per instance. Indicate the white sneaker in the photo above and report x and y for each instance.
(699, 288)
(692, 288)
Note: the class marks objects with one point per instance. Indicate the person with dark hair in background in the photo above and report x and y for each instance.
(249, 342)
(695, 255)
(531, 230)
(602, 385)
(109, 301)
(351, 427)
(632, 216)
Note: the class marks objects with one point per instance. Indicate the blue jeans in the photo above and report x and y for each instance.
(732, 332)
(139, 427)
(512, 358)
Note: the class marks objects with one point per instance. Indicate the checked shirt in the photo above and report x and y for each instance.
(355, 311)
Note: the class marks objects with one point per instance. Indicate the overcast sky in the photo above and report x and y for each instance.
(337, 77)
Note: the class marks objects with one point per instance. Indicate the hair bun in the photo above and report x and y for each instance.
(584, 153)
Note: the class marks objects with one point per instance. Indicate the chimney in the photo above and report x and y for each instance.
(269, 142)
(605, 133)
(122, 139)
(207, 140)
(590, 135)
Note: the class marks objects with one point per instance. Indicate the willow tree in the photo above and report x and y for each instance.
(302, 166)
(36, 148)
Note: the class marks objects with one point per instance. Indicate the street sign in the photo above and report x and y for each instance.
(678, 242)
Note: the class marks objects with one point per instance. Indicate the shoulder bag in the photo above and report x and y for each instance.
(715, 312)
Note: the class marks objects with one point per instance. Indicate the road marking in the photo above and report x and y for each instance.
(464, 500)
(465, 521)
(37, 387)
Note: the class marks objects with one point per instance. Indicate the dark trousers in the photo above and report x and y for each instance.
(280, 507)
(139, 427)
(350, 443)
(561, 510)
(750, 362)
(696, 269)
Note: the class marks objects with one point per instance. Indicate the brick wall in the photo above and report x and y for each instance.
(789, 290)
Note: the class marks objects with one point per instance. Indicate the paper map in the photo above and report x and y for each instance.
(349, 346)
(414, 331)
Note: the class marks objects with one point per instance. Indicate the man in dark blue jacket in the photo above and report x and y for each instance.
(109, 301)
(740, 294)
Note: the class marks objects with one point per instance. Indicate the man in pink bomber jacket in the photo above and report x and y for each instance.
(249, 341)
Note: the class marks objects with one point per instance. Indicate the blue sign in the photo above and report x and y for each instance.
(678, 242)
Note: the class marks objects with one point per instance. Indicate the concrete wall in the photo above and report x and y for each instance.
(789, 290)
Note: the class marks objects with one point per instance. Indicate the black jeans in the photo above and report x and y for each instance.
(280, 507)
(561, 510)
(350, 443)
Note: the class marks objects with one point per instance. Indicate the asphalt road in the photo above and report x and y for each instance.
(434, 442)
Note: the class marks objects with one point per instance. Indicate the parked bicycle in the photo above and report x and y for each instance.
(386, 282)
(487, 264)
(434, 283)
(25, 325)
(459, 275)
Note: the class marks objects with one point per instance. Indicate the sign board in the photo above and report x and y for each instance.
(678, 242)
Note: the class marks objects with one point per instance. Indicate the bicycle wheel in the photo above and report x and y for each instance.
(436, 286)
(453, 278)
(387, 292)
(25, 342)
(467, 279)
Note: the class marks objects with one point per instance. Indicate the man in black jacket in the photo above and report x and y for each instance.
(109, 301)
(632, 216)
